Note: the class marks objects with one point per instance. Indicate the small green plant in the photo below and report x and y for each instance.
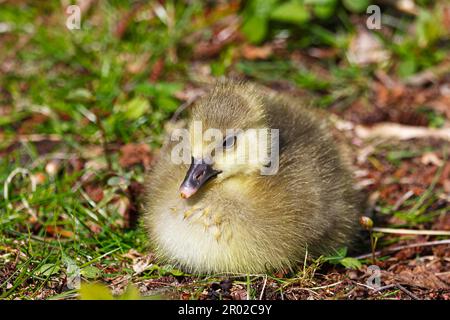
(259, 13)
(340, 257)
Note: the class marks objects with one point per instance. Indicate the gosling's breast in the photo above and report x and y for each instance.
(198, 236)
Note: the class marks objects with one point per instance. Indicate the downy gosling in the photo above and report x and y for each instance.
(219, 215)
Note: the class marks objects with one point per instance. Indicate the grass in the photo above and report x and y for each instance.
(70, 100)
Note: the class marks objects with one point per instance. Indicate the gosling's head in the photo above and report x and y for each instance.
(229, 137)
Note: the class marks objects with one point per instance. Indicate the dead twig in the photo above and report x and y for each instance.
(389, 286)
(409, 293)
(326, 286)
(38, 137)
(413, 232)
(430, 75)
(401, 132)
(402, 199)
(398, 248)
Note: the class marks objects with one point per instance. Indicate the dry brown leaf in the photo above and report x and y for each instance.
(121, 205)
(126, 19)
(238, 293)
(95, 192)
(143, 263)
(401, 132)
(136, 64)
(39, 178)
(133, 154)
(442, 222)
(445, 178)
(323, 53)
(254, 53)
(95, 228)
(29, 125)
(431, 158)
(224, 34)
(76, 164)
(365, 48)
(128, 212)
(132, 254)
(58, 231)
(421, 277)
(156, 71)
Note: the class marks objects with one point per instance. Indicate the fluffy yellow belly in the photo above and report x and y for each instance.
(197, 238)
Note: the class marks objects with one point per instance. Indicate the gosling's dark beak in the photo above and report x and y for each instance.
(197, 175)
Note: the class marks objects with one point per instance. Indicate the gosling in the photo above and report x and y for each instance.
(225, 216)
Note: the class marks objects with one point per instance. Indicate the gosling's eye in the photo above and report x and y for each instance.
(229, 142)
